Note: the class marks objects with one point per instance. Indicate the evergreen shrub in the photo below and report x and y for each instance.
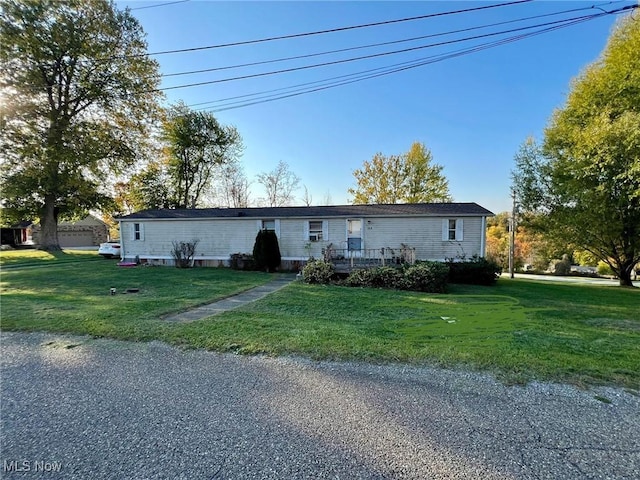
(266, 251)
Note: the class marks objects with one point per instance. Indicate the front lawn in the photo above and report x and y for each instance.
(519, 329)
(33, 257)
(75, 297)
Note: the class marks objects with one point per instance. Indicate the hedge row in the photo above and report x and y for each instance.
(477, 271)
(429, 277)
(421, 277)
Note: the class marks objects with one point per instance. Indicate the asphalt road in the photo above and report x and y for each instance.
(102, 409)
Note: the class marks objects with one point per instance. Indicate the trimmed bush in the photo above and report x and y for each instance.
(422, 277)
(477, 271)
(266, 251)
(377, 277)
(425, 277)
(317, 271)
(385, 277)
(359, 278)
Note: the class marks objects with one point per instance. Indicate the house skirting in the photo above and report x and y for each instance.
(287, 264)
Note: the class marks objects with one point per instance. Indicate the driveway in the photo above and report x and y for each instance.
(105, 409)
(566, 279)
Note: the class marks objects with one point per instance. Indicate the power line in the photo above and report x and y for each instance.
(159, 5)
(414, 64)
(407, 66)
(376, 55)
(360, 47)
(619, 10)
(331, 30)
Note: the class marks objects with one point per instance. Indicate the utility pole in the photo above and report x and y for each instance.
(512, 235)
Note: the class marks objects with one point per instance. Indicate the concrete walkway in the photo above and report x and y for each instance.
(233, 301)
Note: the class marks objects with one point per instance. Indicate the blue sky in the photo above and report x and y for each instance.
(472, 111)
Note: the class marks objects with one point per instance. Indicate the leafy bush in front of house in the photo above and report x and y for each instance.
(476, 271)
(377, 277)
(183, 253)
(266, 251)
(421, 277)
(425, 277)
(317, 271)
(386, 277)
(360, 277)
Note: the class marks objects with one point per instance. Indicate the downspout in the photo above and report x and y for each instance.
(121, 241)
(483, 237)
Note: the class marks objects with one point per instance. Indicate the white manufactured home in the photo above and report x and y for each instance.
(430, 231)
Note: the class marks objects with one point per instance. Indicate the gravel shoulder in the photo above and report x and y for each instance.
(106, 409)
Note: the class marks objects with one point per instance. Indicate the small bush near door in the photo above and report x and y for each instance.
(317, 271)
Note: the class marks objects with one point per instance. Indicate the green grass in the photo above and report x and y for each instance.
(520, 329)
(74, 298)
(24, 258)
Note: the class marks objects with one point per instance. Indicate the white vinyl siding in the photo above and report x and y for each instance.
(220, 237)
(425, 235)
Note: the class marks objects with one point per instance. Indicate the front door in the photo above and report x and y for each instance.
(354, 237)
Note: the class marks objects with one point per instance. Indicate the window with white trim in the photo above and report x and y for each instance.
(452, 230)
(269, 225)
(316, 230)
(138, 231)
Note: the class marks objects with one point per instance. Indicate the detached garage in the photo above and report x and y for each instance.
(88, 232)
(80, 238)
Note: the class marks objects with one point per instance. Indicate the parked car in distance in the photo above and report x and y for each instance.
(109, 249)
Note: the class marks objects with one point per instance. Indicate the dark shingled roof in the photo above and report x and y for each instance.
(396, 210)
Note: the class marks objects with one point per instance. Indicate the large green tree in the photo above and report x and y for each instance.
(407, 178)
(77, 89)
(585, 177)
(196, 143)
